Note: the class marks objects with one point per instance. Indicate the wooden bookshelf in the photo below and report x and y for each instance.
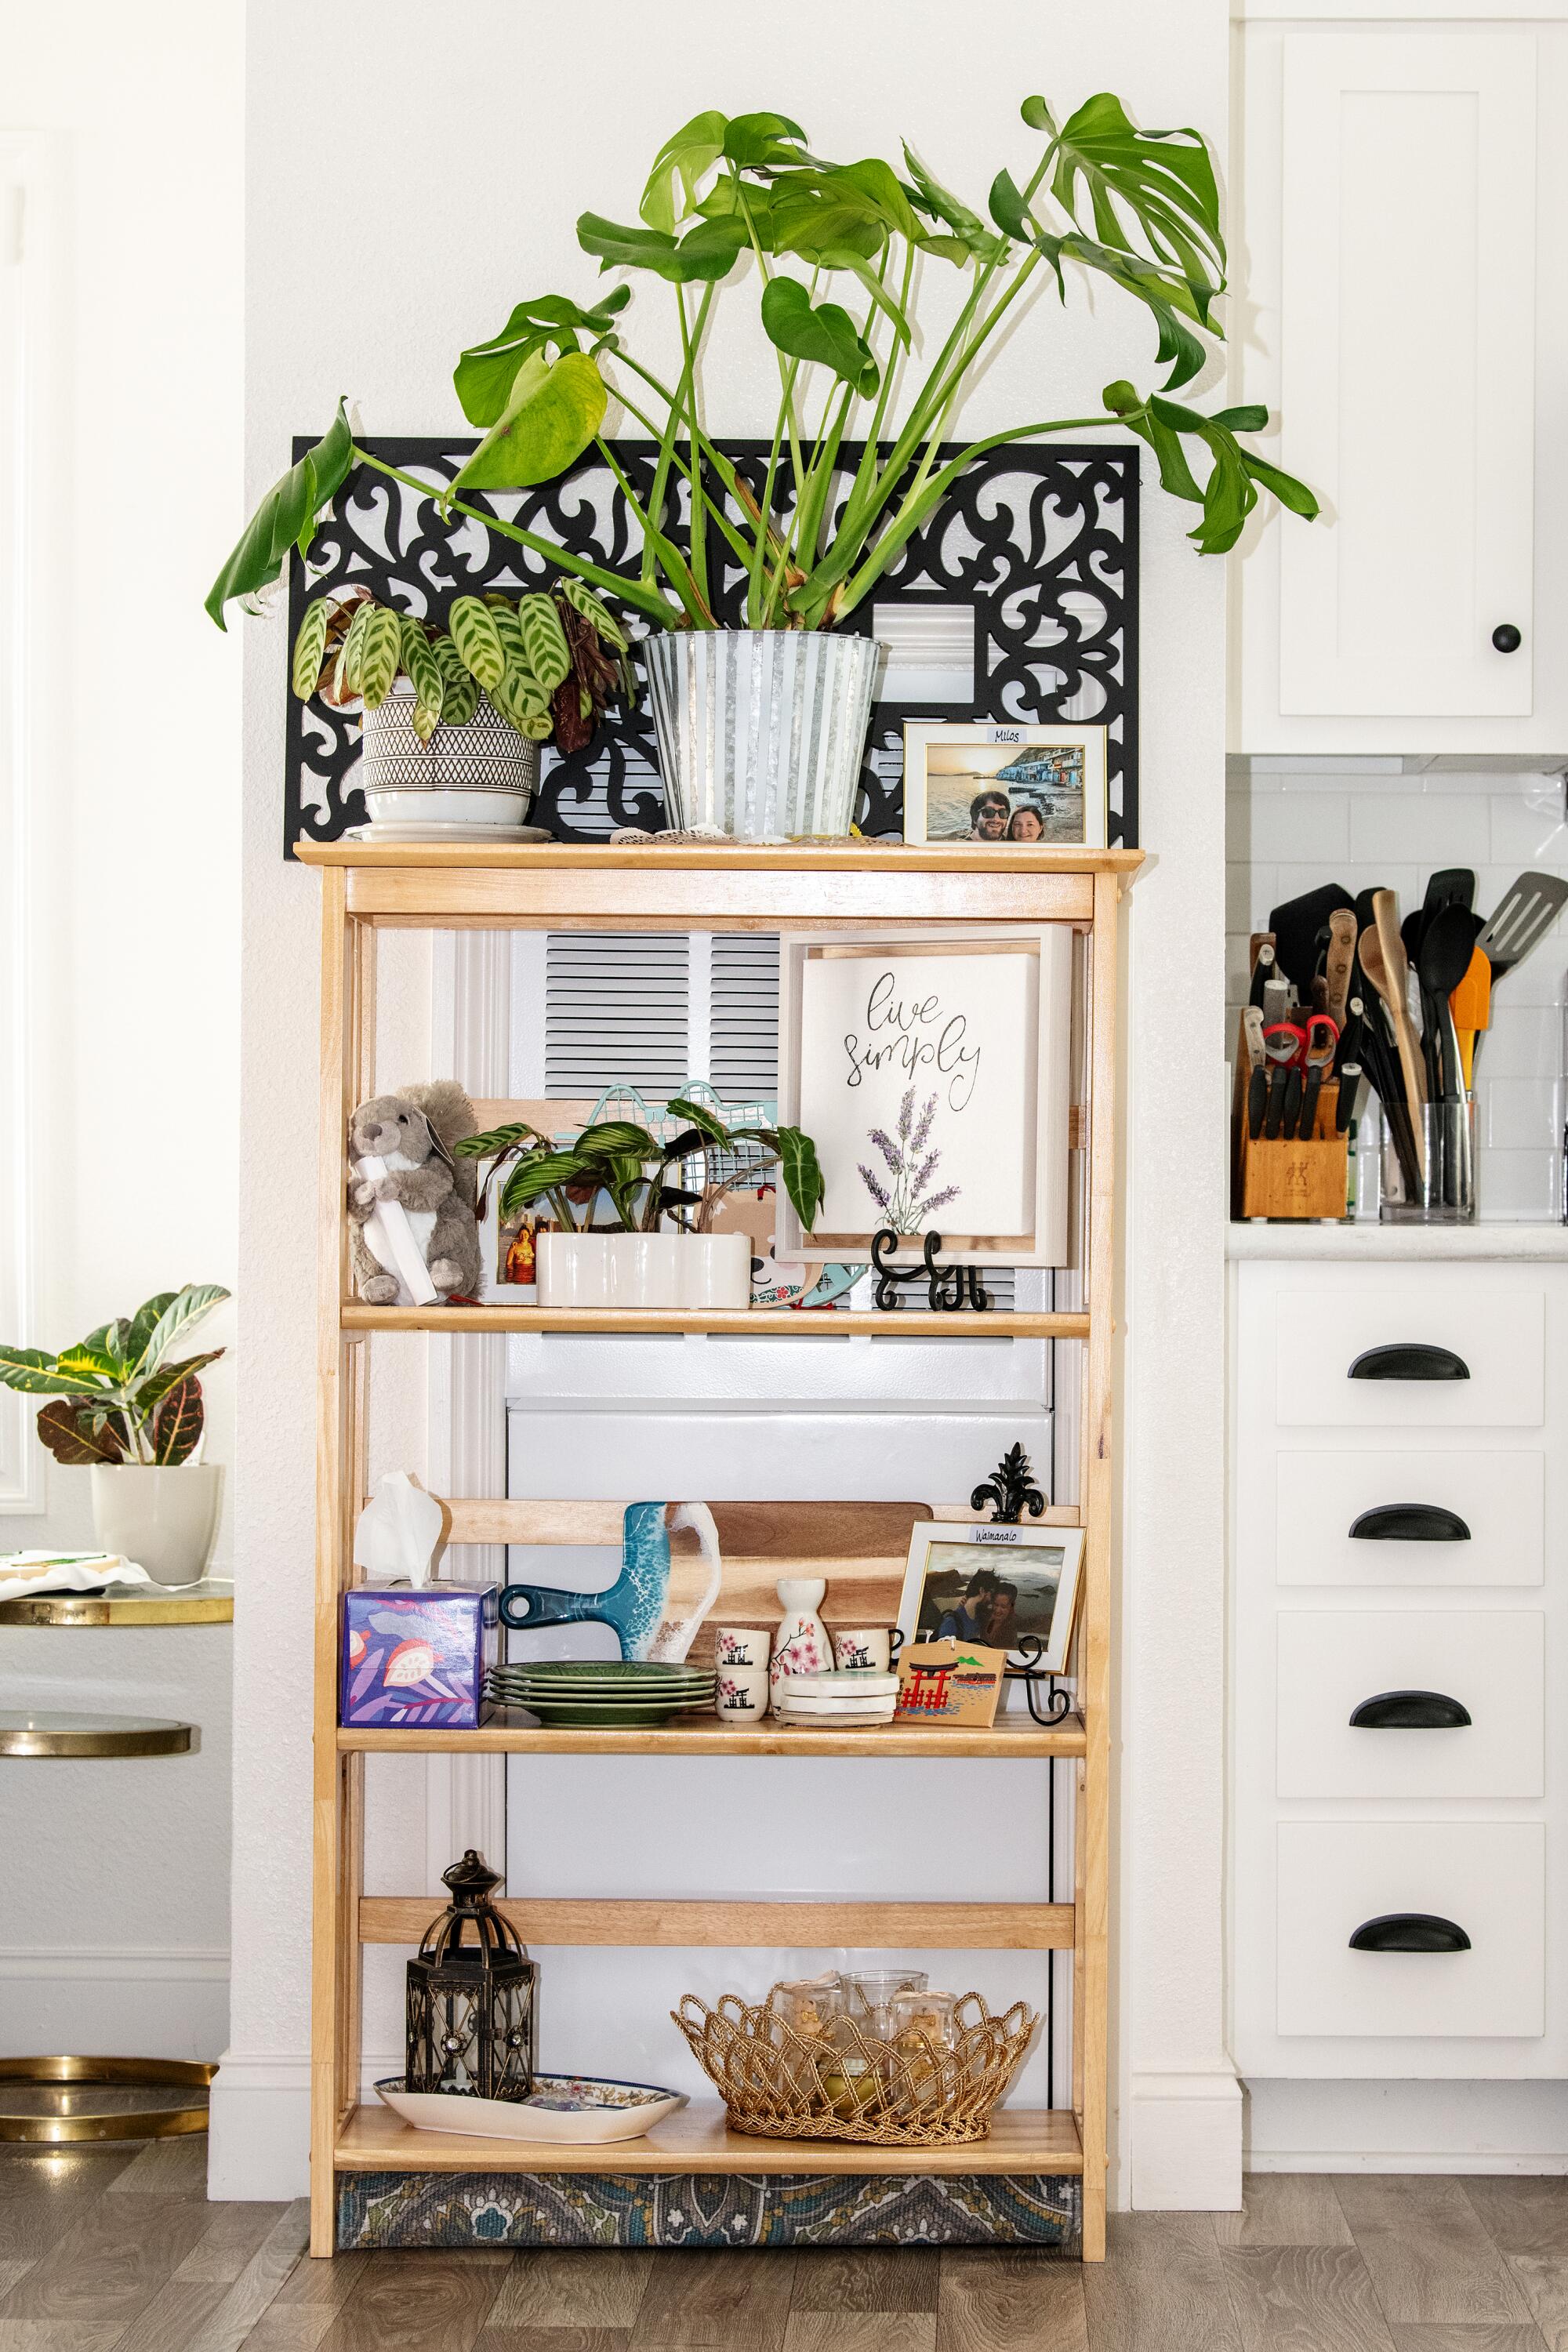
(698, 2139)
(367, 888)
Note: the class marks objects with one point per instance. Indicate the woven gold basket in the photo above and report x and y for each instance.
(911, 2094)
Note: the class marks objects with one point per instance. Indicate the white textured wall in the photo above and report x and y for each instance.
(115, 1931)
(464, 161)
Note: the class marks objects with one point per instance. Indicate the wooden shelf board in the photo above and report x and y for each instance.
(1010, 1735)
(742, 1322)
(698, 2139)
(743, 1924)
(726, 856)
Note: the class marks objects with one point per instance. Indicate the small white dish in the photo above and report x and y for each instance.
(583, 2110)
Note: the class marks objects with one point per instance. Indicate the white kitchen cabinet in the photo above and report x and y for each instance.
(1343, 1592)
(1401, 233)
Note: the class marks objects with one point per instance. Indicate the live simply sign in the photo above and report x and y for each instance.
(918, 1087)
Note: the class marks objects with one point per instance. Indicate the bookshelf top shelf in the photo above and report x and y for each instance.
(880, 857)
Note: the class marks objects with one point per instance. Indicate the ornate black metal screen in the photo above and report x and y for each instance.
(1041, 541)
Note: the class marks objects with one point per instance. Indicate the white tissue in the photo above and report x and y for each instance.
(397, 1531)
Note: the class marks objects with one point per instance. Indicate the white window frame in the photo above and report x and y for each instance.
(32, 371)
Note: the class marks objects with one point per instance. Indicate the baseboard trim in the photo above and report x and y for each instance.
(111, 1963)
(1185, 2137)
(1553, 2166)
(260, 2123)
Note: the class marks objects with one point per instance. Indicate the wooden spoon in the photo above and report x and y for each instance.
(1383, 961)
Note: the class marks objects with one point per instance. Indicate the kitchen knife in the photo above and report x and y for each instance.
(1275, 1111)
(1257, 1101)
(1339, 961)
(1262, 965)
(1291, 1122)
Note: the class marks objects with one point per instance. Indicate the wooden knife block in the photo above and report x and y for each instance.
(1293, 1176)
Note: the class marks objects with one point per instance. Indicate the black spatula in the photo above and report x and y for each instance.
(1524, 916)
(1296, 926)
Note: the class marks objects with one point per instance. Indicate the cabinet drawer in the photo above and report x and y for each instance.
(1353, 1358)
(1486, 1879)
(1496, 1499)
(1331, 1662)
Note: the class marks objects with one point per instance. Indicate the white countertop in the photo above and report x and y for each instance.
(1283, 1239)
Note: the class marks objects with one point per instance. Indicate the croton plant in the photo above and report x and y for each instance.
(117, 1395)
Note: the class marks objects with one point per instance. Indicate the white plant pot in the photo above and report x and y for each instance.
(760, 732)
(573, 1269)
(639, 1272)
(715, 1270)
(485, 755)
(166, 1520)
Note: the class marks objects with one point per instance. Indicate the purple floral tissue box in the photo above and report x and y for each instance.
(417, 1657)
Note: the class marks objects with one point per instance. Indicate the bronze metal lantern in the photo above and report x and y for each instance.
(472, 2027)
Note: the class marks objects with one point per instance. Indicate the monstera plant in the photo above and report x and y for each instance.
(834, 255)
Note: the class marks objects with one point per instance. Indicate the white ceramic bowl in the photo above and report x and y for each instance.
(594, 2110)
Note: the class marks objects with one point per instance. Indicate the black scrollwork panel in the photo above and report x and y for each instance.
(1041, 542)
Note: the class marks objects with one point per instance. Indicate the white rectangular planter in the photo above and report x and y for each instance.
(633, 1271)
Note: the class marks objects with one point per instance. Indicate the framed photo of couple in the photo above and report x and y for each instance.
(995, 785)
(994, 1585)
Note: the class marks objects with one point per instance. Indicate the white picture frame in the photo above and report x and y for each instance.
(951, 764)
(1005, 990)
(994, 1584)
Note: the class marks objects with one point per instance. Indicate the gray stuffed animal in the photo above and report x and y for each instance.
(413, 1132)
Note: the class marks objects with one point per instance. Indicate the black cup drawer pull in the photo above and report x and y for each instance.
(1412, 1360)
(1410, 1523)
(1410, 1710)
(1409, 1931)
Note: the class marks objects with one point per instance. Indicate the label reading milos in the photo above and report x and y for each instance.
(935, 1085)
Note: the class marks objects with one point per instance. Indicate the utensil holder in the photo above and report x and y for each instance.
(1290, 1175)
(1446, 1191)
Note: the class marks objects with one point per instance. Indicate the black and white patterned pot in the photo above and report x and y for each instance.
(487, 755)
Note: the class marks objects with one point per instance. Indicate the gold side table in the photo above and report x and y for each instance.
(59, 2099)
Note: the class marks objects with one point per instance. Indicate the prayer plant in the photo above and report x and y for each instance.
(735, 201)
(641, 1176)
(547, 664)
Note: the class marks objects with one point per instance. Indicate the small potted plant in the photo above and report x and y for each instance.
(762, 726)
(633, 1261)
(129, 1410)
(454, 717)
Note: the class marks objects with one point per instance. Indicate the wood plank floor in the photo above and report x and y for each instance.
(116, 2250)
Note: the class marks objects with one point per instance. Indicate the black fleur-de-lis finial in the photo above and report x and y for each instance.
(1011, 1489)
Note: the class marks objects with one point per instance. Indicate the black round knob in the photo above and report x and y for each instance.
(1506, 638)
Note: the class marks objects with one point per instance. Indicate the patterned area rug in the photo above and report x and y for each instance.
(609, 2208)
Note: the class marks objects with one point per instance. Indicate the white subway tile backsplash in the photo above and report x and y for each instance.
(1452, 831)
(1520, 1114)
(1292, 825)
(1524, 1040)
(1520, 1185)
(1290, 832)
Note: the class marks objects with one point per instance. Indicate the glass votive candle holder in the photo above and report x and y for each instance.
(917, 2015)
(870, 1991)
(812, 2006)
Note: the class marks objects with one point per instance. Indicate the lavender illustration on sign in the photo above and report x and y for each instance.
(911, 1160)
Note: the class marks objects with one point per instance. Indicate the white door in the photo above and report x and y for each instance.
(1406, 371)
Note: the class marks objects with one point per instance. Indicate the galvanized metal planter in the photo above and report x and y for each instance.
(760, 732)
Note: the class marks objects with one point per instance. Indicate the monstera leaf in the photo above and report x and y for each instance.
(826, 333)
(485, 375)
(1160, 183)
(703, 256)
(286, 517)
(551, 413)
(1229, 495)
(681, 164)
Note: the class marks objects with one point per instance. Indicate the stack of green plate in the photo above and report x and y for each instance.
(582, 1693)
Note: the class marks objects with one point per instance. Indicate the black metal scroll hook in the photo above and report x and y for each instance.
(1058, 1703)
(947, 1286)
